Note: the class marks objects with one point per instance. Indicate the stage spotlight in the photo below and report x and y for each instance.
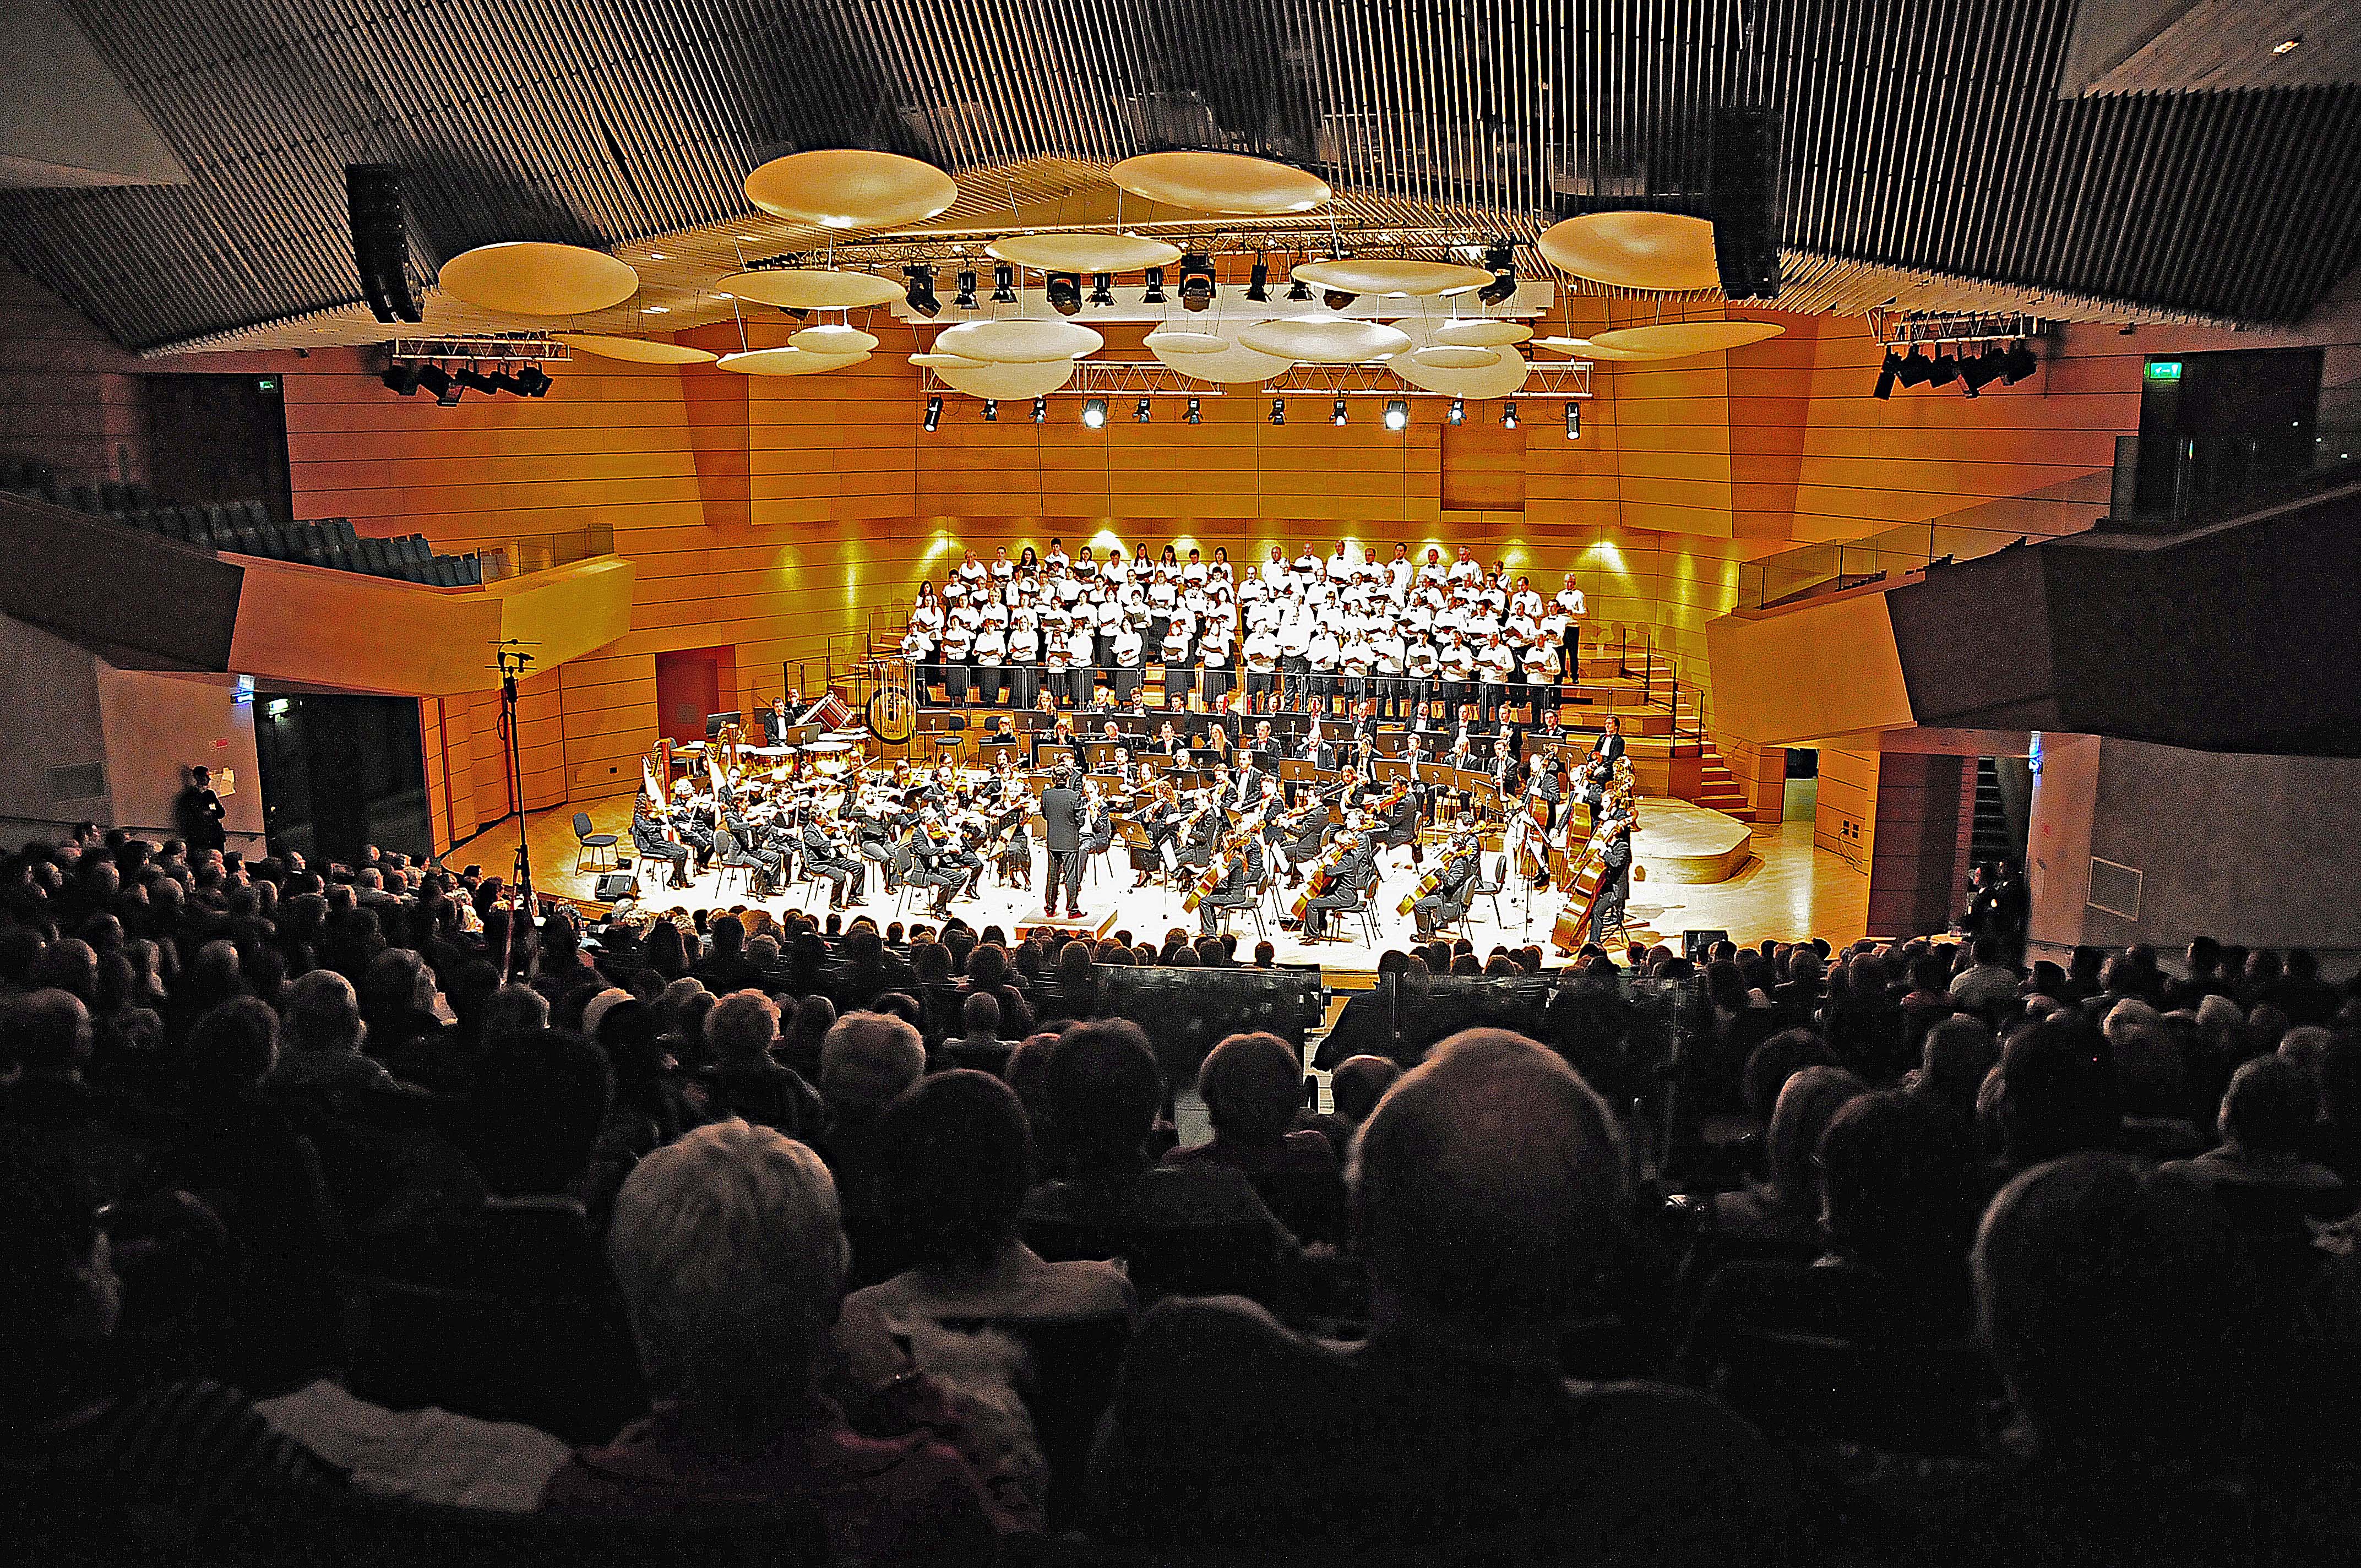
(1197, 285)
(1503, 261)
(1508, 415)
(437, 380)
(403, 379)
(1300, 292)
(934, 413)
(1064, 292)
(1574, 422)
(1914, 370)
(1946, 371)
(1040, 409)
(1336, 415)
(1003, 284)
(1459, 414)
(1154, 293)
(1278, 411)
(1191, 416)
(1337, 300)
(2018, 363)
(503, 380)
(919, 290)
(1102, 289)
(1258, 282)
(991, 411)
(533, 381)
(1885, 375)
(1983, 370)
(965, 298)
(1094, 413)
(1397, 413)
(1140, 412)
(474, 380)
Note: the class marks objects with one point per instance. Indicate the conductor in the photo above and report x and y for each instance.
(1064, 816)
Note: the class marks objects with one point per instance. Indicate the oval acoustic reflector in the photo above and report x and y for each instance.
(1220, 182)
(1323, 339)
(788, 361)
(529, 278)
(1380, 275)
(1018, 340)
(938, 361)
(1583, 348)
(1009, 383)
(1161, 342)
(1449, 356)
(1672, 340)
(1503, 375)
(833, 339)
(793, 289)
(849, 188)
(1634, 250)
(638, 350)
(1084, 252)
(1228, 366)
(1480, 332)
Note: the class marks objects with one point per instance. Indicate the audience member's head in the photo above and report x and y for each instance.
(730, 1252)
(51, 1032)
(866, 1060)
(514, 1009)
(742, 1029)
(1252, 1086)
(322, 1014)
(232, 1049)
(1770, 1064)
(963, 1163)
(1954, 1060)
(980, 1015)
(1359, 1082)
(1807, 1104)
(1898, 1180)
(1104, 1090)
(2057, 1093)
(2269, 1109)
(1486, 1187)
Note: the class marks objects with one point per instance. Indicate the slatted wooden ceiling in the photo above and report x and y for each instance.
(1927, 152)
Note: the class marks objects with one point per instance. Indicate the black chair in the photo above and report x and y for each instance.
(594, 851)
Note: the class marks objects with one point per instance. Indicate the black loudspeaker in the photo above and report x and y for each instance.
(614, 885)
(380, 240)
(1743, 193)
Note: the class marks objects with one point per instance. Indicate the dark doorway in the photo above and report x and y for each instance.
(690, 683)
(220, 438)
(340, 774)
(2214, 425)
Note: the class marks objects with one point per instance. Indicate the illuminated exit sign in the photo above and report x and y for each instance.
(2164, 370)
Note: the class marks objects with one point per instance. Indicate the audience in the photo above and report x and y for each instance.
(884, 1303)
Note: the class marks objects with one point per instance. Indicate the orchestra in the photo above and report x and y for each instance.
(1357, 682)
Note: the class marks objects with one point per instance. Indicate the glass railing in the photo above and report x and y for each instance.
(518, 554)
(2183, 482)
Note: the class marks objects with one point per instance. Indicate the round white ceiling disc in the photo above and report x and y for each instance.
(849, 188)
(1018, 340)
(1084, 252)
(529, 278)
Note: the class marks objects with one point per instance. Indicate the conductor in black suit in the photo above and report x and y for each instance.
(1063, 816)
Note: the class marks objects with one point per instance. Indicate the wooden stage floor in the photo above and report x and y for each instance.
(1786, 888)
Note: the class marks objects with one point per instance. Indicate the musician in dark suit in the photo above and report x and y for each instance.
(1599, 766)
(1236, 888)
(823, 856)
(1063, 817)
(1323, 755)
(647, 824)
(1202, 830)
(1355, 874)
(778, 721)
(1301, 836)
(1244, 790)
(1447, 904)
(1615, 879)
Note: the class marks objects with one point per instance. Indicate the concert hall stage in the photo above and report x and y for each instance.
(1704, 871)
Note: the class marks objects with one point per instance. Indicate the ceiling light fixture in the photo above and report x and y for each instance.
(918, 292)
(1064, 292)
(1140, 412)
(991, 411)
(1336, 415)
(934, 413)
(965, 298)
(1197, 284)
(1258, 282)
(534, 381)
(1397, 413)
(1886, 376)
(1278, 411)
(2286, 46)
(1983, 370)
(1508, 414)
(1945, 370)
(474, 380)
(1459, 414)
(1337, 300)
(1300, 292)
(1040, 409)
(1501, 259)
(1003, 284)
(1191, 416)
(403, 379)
(1102, 289)
(1154, 293)
(1914, 369)
(2018, 363)
(1094, 413)
(1574, 422)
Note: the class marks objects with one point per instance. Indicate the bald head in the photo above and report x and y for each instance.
(1486, 1184)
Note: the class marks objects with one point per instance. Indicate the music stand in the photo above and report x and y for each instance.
(1100, 754)
(1387, 770)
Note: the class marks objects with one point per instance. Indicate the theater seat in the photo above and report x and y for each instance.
(1073, 1373)
(1909, 1399)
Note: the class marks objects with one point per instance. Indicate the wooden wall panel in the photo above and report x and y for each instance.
(69, 397)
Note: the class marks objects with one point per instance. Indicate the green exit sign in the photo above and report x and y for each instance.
(269, 384)
(2164, 370)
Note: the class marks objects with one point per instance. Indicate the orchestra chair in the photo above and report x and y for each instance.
(729, 860)
(593, 851)
(1491, 888)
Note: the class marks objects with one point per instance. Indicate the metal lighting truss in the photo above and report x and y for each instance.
(511, 347)
(1153, 379)
(1904, 333)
